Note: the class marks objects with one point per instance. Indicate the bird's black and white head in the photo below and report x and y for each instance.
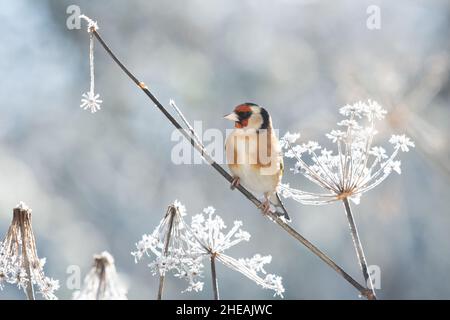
(250, 116)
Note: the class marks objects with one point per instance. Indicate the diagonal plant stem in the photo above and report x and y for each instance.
(363, 290)
(358, 247)
(215, 285)
(171, 211)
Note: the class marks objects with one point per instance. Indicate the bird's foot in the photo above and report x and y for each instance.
(235, 183)
(265, 207)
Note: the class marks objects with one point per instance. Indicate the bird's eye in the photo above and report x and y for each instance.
(244, 115)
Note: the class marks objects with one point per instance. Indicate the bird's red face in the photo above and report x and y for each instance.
(241, 115)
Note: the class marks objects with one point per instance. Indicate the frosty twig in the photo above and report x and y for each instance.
(90, 100)
(358, 246)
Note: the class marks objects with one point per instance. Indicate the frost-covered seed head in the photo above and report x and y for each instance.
(203, 238)
(13, 260)
(355, 167)
(102, 282)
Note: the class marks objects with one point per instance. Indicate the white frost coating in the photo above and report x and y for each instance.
(23, 206)
(13, 263)
(90, 100)
(179, 258)
(203, 238)
(355, 168)
(92, 25)
(102, 281)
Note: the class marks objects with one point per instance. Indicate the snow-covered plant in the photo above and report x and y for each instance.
(102, 281)
(19, 261)
(356, 167)
(182, 248)
(167, 243)
(90, 100)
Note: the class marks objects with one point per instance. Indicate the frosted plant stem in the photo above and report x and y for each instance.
(214, 277)
(102, 282)
(359, 249)
(291, 231)
(362, 289)
(172, 212)
(91, 64)
(29, 290)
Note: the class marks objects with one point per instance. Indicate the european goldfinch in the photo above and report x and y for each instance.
(254, 155)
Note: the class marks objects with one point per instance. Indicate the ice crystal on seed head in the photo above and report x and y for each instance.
(90, 101)
(180, 207)
(355, 167)
(207, 229)
(102, 282)
(401, 142)
(16, 267)
(23, 206)
(289, 138)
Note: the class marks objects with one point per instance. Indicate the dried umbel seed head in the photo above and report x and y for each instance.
(190, 244)
(170, 249)
(19, 261)
(102, 281)
(103, 261)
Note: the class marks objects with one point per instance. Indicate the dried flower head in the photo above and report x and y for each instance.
(188, 245)
(209, 239)
(90, 100)
(356, 167)
(167, 243)
(102, 281)
(19, 261)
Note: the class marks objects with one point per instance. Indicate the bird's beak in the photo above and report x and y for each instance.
(232, 117)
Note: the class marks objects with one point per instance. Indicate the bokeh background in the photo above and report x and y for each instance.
(98, 182)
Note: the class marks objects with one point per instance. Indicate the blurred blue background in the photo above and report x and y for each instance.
(98, 182)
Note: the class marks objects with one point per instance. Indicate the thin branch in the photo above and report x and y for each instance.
(229, 178)
(187, 124)
(214, 277)
(358, 247)
(171, 211)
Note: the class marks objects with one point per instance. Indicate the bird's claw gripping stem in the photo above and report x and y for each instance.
(265, 206)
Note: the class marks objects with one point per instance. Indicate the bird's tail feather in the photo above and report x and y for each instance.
(280, 209)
